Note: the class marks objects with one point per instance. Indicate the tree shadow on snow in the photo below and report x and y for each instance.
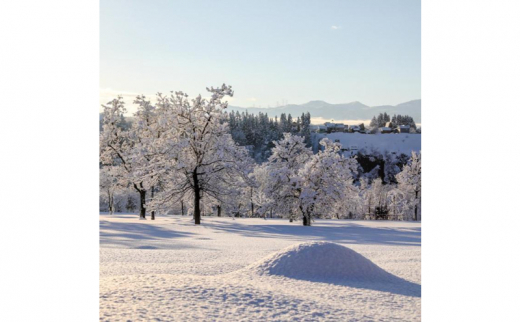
(124, 234)
(342, 232)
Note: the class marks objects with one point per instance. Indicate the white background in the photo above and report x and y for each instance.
(49, 74)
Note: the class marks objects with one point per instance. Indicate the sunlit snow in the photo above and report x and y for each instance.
(258, 270)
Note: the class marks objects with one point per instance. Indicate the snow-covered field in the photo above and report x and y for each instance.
(254, 270)
(401, 143)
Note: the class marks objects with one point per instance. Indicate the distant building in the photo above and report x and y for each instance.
(385, 130)
(318, 128)
(335, 127)
(340, 127)
(403, 129)
(355, 128)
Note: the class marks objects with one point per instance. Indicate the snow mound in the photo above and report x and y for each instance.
(323, 262)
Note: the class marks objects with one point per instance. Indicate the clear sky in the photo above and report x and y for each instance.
(271, 52)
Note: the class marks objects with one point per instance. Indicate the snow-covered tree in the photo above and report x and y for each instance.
(261, 196)
(128, 148)
(195, 155)
(289, 155)
(109, 184)
(396, 203)
(379, 194)
(410, 183)
(302, 185)
(130, 204)
(326, 180)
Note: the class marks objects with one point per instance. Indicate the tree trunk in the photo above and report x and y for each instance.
(196, 198)
(369, 201)
(182, 207)
(395, 212)
(218, 210)
(252, 205)
(306, 221)
(153, 212)
(110, 203)
(142, 213)
(415, 211)
(238, 211)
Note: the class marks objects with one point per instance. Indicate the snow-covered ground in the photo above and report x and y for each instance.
(400, 143)
(249, 270)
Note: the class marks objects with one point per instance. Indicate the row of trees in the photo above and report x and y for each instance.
(177, 150)
(259, 131)
(295, 183)
(396, 120)
(180, 154)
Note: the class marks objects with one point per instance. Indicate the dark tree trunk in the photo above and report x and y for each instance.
(196, 198)
(142, 212)
(395, 212)
(415, 211)
(252, 205)
(182, 207)
(306, 221)
(153, 212)
(369, 215)
(219, 209)
(110, 203)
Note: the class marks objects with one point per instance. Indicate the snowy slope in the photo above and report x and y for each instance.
(171, 270)
(392, 142)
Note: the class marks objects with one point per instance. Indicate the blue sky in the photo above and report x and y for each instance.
(269, 51)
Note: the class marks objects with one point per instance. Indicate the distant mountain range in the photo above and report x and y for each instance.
(343, 111)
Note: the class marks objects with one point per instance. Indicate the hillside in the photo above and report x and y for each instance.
(401, 143)
(352, 111)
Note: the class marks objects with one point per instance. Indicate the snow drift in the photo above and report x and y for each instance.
(323, 262)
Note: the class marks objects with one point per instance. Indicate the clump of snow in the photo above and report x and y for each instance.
(323, 262)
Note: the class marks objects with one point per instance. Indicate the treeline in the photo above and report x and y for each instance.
(179, 156)
(258, 131)
(396, 120)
